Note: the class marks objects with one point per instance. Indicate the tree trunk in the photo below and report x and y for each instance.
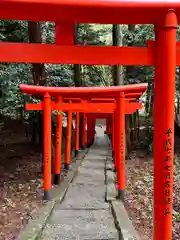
(130, 120)
(77, 67)
(135, 127)
(38, 70)
(128, 144)
(129, 69)
(78, 81)
(117, 41)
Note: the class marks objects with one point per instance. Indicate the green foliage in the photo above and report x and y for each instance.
(91, 34)
(59, 75)
(139, 74)
(13, 31)
(11, 76)
(96, 75)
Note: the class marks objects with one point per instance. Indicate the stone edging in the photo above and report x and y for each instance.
(122, 222)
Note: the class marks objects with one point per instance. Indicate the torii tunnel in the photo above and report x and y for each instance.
(116, 104)
(163, 54)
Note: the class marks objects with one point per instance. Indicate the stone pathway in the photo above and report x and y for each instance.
(84, 214)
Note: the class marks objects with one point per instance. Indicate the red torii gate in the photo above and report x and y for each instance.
(89, 105)
(165, 55)
(131, 106)
(121, 106)
(107, 106)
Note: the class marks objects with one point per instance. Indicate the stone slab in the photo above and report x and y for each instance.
(86, 181)
(93, 174)
(110, 177)
(80, 225)
(110, 181)
(93, 164)
(80, 197)
(80, 191)
(88, 203)
(96, 156)
(111, 192)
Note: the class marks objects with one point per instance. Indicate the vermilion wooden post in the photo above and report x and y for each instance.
(110, 124)
(107, 125)
(116, 122)
(47, 146)
(113, 130)
(157, 154)
(58, 145)
(109, 117)
(89, 130)
(68, 140)
(84, 131)
(120, 148)
(64, 35)
(77, 133)
(164, 126)
(93, 130)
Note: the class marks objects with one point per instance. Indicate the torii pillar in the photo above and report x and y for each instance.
(164, 95)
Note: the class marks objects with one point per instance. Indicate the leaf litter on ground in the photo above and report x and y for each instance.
(139, 195)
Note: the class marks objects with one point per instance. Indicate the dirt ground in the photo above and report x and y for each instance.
(20, 180)
(139, 194)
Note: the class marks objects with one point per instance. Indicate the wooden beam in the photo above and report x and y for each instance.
(86, 107)
(90, 55)
(88, 11)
